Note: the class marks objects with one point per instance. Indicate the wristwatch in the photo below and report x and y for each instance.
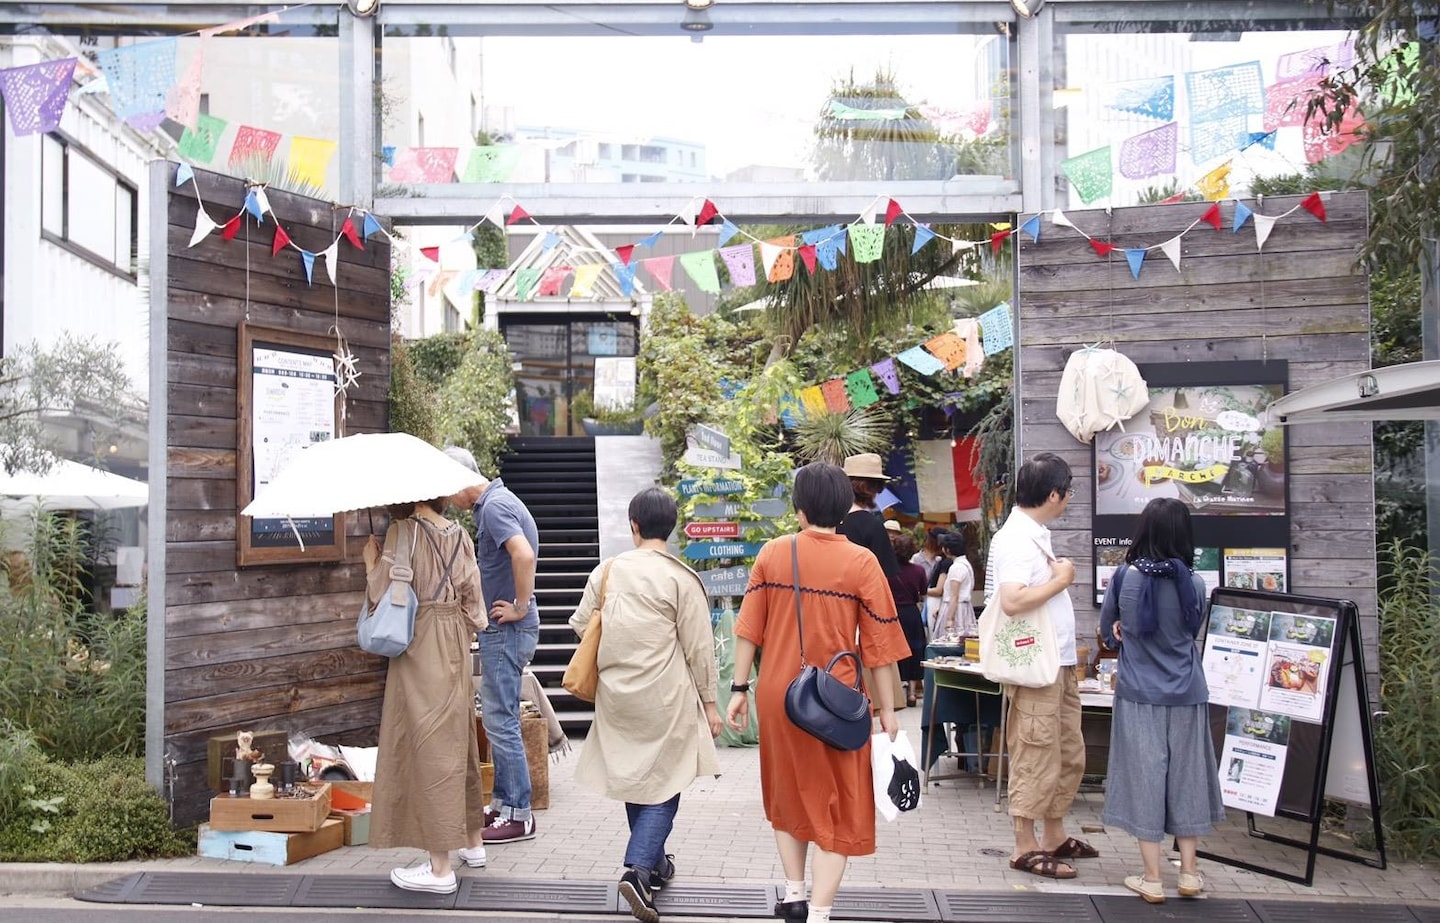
(739, 687)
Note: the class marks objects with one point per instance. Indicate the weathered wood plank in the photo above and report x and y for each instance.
(192, 273)
(255, 673)
(200, 525)
(251, 614)
(200, 432)
(1346, 353)
(1232, 268)
(1297, 241)
(211, 308)
(263, 583)
(258, 706)
(327, 725)
(200, 494)
(1323, 319)
(1203, 299)
(200, 463)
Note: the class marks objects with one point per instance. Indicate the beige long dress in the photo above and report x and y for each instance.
(427, 776)
(649, 739)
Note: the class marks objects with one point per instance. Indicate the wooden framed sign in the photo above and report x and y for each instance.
(286, 400)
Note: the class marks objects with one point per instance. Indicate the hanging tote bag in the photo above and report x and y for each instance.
(1021, 649)
(388, 628)
(818, 703)
(582, 676)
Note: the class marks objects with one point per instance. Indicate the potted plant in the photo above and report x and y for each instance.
(606, 421)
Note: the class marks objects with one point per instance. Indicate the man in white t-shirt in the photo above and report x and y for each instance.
(1047, 753)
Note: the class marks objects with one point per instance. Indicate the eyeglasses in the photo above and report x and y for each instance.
(1069, 493)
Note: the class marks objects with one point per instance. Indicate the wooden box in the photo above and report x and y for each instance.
(268, 848)
(220, 755)
(357, 826)
(274, 815)
(537, 754)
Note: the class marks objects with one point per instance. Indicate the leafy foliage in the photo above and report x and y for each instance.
(20, 758)
(833, 437)
(473, 383)
(412, 398)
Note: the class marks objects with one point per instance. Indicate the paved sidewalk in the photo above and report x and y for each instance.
(956, 840)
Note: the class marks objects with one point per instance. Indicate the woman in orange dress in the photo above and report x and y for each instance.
(812, 792)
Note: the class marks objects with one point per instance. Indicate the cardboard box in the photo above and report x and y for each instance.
(537, 754)
(274, 815)
(220, 755)
(267, 848)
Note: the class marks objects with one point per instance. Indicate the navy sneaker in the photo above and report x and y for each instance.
(663, 875)
(635, 889)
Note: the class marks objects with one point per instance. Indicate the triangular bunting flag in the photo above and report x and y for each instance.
(518, 214)
(1060, 219)
(431, 253)
(958, 247)
(652, 239)
(625, 275)
(1212, 216)
(997, 240)
(949, 349)
(467, 281)
(700, 266)
(868, 215)
(232, 227)
(203, 226)
(1263, 225)
(550, 242)
(661, 269)
(1242, 215)
(918, 359)
(369, 226)
(923, 236)
(1313, 204)
(707, 211)
(807, 255)
(184, 173)
(740, 260)
(489, 279)
(727, 231)
(1135, 256)
(1032, 227)
(282, 240)
(35, 94)
(332, 257)
(552, 279)
(869, 241)
(625, 252)
(1100, 247)
(780, 261)
(307, 259)
(348, 231)
(252, 205)
(496, 215)
(585, 277)
(885, 370)
(892, 211)
(440, 282)
(262, 200)
(1171, 249)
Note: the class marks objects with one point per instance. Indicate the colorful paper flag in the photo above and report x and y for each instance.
(650, 240)
(1264, 224)
(282, 240)
(625, 275)
(778, 257)
(949, 349)
(1314, 203)
(1150, 153)
(184, 173)
(138, 77)
(868, 240)
(624, 252)
(517, 214)
(887, 373)
(347, 230)
(814, 401)
(707, 212)
(997, 329)
(1153, 97)
(525, 280)
(1102, 248)
(307, 259)
(431, 253)
(252, 205)
(552, 279)
(424, 165)
(310, 159)
(700, 266)
(791, 411)
(1032, 227)
(740, 261)
(253, 149)
(35, 94)
(727, 231)
(918, 359)
(489, 279)
(1242, 214)
(836, 400)
(1215, 185)
(491, 163)
(861, 388)
(199, 144)
(661, 269)
(923, 236)
(1091, 174)
(585, 277)
(1135, 256)
(997, 240)
(807, 256)
(231, 227)
(182, 101)
(892, 211)
(1212, 216)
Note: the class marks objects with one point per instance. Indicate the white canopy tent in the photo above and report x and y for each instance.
(1397, 392)
(70, 485)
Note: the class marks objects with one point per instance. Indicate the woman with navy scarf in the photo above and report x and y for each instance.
(1162, 779)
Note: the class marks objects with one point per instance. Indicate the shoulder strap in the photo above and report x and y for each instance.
(604, 581)
(400, 572)
(799, 606)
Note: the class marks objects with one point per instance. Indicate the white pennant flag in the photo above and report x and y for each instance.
(496, 215)
(262, 201)
(769, 253)
(1171, 249)
(689, 212)
(332, 255)
(868, 215)
(1060, 219)
(203, 226)
(960, 246)
(1263, 226)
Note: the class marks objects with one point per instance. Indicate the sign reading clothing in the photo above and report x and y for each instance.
(292, 406)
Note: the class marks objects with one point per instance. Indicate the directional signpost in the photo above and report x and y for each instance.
(709, 438)
(727, 509)
(712, 529)
(716, 488)
(726, 581)
(701, 457)
(711, 551)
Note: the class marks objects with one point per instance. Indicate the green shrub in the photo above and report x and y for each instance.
(100, 811)
(20, 758)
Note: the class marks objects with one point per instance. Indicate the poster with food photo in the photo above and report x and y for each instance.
(1260, 569)
(1236, 642)
(1296, 673)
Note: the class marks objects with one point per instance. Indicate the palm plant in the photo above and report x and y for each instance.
(833, 437)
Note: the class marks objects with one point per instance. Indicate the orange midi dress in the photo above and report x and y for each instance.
(811, 791)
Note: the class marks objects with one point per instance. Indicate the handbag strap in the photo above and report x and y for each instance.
(604, 580)
(799, 606)
(400, 572)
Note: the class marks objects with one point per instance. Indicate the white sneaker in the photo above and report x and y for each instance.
(475, 858)
(421, 878)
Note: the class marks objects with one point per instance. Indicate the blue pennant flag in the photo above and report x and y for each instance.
(1242, 215)
(183, 174)
(308, 259)
(1032, 227)
(370, 225)
(1135, 257)
(923, 236)
(654, 239)
(820, 235)
(387, 154)
(552, 240)
(1265, 139)
(252, 205)
(727, 231)
(1153, 97)
(626, 275)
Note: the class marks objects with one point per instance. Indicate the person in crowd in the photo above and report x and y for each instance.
(656, 716)
(908, 589)
(1047, 753)
(862, 524)
(956, 617)
(929, 553)
(428, 791)
(936, 584)
(507, 547)
(1162, 780)
(813, 793)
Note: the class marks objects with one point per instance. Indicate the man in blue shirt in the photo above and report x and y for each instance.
(507, 545)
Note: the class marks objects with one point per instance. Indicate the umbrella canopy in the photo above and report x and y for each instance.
(358, 472)
(70, 485)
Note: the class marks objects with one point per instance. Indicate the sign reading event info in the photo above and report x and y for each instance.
(287, 400)
(1205, 439)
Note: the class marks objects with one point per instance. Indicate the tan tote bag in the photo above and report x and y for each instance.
(582, 676)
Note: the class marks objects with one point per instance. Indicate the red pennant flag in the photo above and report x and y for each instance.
(997, 240)
(1315, 205)
(431, 253)
(282, 240)
(1101, 247)
(807, 254)
(232, 227)
(892, 211)
(1212, 216)
(707, 211)
(1177, 197)
(348, 229)
(625, 253)
(517, 214)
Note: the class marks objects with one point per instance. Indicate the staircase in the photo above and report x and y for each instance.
(555, 477)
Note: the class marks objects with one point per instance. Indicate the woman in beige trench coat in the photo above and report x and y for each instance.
(655, 713)
(427, 777)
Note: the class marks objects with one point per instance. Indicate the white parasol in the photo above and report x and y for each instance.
(70, 485)
(359, 472)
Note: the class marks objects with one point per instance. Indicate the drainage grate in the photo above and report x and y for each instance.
(1115, 908)
(556, 896)
(1315, 912)
(364, 891)
(1031, 907)
(885, 904)
(715, 900)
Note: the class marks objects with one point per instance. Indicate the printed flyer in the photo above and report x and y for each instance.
(293, 406)
(1297, 666)
(1252, 761)
(1255, 569)
(1235, 655)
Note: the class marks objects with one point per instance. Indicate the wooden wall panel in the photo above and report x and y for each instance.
(272, 646)
(1301, 299)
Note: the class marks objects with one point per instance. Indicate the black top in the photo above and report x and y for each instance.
(864, 528)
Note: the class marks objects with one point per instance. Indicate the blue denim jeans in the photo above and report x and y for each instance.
(650, 826)
(505, 651)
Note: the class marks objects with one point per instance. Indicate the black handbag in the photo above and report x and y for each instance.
(820, 704)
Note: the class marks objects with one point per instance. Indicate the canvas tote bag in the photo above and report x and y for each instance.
(1019, 650)
(582, 676)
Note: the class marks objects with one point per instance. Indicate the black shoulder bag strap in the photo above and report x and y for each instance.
(799, 606)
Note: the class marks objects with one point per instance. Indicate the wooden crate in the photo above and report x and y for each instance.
(269, 848)
(274, 815)
(357, 826)
(537, 754)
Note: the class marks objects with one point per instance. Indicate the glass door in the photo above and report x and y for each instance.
(555, 361)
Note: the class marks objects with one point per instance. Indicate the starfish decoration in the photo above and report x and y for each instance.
(346, 374)
(1120, 391)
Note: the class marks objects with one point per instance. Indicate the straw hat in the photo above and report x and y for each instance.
(893, 525)
(866, 465)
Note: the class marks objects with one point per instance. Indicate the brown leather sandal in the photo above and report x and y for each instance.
(1039, 862)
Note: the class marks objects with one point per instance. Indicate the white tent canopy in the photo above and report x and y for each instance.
(1397, 392)
(70, 485)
